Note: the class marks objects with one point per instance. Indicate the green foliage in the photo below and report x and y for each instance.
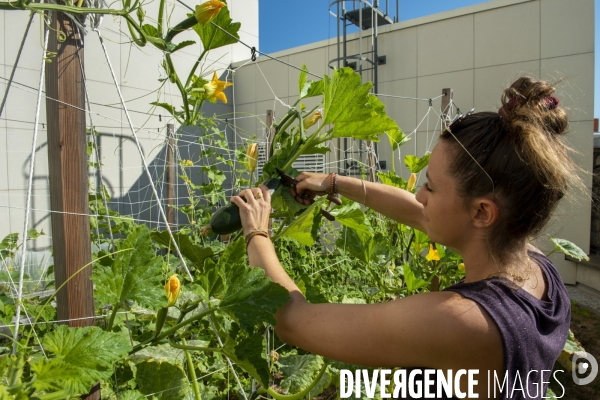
(351, 215)
(135, 274)
(214, 37)
(569, 248)
(160, 371)
(391, 179)
(354, 111)
(299, 371)
(303, 229)
(252, 298)
(396, 138)
(83, 356)
(416, 164)
(193, 252)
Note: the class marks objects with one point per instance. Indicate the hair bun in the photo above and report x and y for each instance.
(530, 105)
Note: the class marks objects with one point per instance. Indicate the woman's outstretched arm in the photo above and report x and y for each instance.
(397, 204)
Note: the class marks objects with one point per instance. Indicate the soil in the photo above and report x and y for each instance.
(585, 325)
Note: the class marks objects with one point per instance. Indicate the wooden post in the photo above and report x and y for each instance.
(68, 172)
(170, 174)
(445, 112)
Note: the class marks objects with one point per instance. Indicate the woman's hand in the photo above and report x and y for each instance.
(256, 210)
(313, 184)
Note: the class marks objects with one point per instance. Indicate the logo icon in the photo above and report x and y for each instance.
(584, 364)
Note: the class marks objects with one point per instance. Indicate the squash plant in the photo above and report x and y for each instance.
(185, 345)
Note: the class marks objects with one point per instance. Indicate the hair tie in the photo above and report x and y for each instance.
(552, 102)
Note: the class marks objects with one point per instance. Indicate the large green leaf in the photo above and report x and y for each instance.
(354, 111)
(312, 89)
(213, 37)
(196, 254)
(412, 282)
(299, 371)
(571, 347)
(233, 255)
(283, 201)
(397, 138)
(89, 351)
(302, 77)
(308, 88)
(248, 354)
(392, 179)
(416, 164)
(136, 274)
(9, 245)
(252, 298)
(359, 244)
(302, 228)
(55, 374)
(569, 248)
(131, 395)
(213, 281)
(159, 371)
(312, 293)
(351, 215)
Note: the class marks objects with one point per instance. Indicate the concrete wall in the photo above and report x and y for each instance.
(138, 71)
(476, 51)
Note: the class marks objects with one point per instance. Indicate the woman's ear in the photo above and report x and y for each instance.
(484, 213)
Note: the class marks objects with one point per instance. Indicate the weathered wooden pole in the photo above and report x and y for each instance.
(68, 171)
(170, 174)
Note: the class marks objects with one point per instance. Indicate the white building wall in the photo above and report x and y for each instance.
(137, 70)
(476, 51)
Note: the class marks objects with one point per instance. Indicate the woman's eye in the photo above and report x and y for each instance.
(426, 184)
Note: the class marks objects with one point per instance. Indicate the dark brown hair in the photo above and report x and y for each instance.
(521, 150)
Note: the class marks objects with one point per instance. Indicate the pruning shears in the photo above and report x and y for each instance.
(291, 182)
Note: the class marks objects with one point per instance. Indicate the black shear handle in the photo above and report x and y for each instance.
(291, 182)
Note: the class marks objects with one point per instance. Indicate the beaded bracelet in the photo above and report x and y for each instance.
(255, 232)
(332, 184)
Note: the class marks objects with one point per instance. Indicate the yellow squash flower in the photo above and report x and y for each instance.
(312, 119)
(411, 182)
(213, 90)
(208, 11)
(252, 157)
(433, 253)
(172, 289)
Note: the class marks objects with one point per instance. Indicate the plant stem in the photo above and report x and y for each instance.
(16, 5)
(62, 394)
(296, 396)
(311, 141)
(111, 321)
(184, 346)
(180, 87)
(174, 329)
(192, 372)
(159, 25)
(189, 78)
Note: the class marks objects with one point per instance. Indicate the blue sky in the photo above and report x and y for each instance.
(291, 23)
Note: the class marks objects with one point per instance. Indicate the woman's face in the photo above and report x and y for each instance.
(447, 220)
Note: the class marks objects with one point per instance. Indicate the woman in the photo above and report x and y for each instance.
(493, 181)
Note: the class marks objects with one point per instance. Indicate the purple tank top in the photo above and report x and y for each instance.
(533, 331)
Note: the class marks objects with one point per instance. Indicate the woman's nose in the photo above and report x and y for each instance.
(421, 198)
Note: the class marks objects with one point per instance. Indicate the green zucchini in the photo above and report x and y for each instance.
(227, 220)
